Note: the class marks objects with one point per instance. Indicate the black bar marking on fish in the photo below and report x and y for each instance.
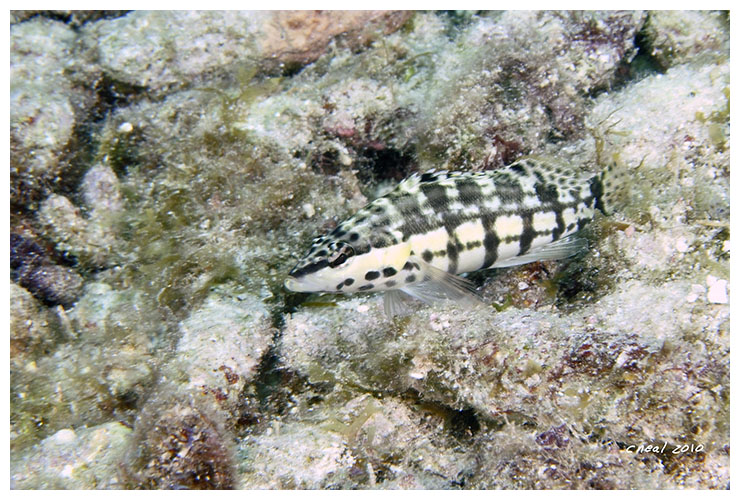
(528, 234)
(490, 241)
(436, 196)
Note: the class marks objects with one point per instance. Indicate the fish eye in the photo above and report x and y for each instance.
(341, 255)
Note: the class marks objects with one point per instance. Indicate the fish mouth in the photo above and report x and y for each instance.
(292, 284)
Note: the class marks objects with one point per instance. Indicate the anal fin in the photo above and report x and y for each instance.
(560, 249)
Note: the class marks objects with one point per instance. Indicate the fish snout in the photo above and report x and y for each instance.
(291, 284)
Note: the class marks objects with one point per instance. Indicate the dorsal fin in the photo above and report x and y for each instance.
(412, 181)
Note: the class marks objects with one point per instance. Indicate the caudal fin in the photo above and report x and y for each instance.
(611, 188)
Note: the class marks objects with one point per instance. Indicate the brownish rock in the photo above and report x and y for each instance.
(300, 37)
(29, 326)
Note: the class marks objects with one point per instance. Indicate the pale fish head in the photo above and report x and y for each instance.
(329, 264)
(346, 262)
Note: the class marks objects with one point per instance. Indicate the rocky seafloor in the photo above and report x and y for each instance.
(168, 168)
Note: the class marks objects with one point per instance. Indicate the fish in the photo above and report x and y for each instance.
(415, 240)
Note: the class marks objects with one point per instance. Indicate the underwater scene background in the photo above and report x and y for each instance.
(168, 169)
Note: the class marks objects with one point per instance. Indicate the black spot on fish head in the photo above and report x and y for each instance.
(326, 263)
(330, 254)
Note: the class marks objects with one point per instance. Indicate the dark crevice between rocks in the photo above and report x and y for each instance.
(462, 424)
(73, 18)
(577, 286)
(271, 393)
(456, 21)
(630, 70)
(271, 378)
(640, 67)
(113, 94)
(83, 148)
(383, 164)
(77, 157)
(325, 162)
(286, 69)
(371, 142)
(644, 63)
(579, 282)
(373, 163)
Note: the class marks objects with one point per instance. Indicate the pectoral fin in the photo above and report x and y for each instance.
(437, 286)
(394, 304)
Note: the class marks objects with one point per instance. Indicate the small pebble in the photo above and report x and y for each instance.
(309, 210)
(100, 190)
(717, 293)
(65, 436)
(67, 471)
(345, 159)
(682, 245)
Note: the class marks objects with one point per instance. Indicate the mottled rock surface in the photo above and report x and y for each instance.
(50, 92)
(223, 342)
(177, 47)
(88, 458)
(30, 331)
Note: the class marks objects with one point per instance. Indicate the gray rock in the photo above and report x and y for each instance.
(42, 116)
(51, 82)
(679, 36)
(85, 458)
(91, 239)
(101, 192)
(166, 50)
(221, 346)
(30, 331)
